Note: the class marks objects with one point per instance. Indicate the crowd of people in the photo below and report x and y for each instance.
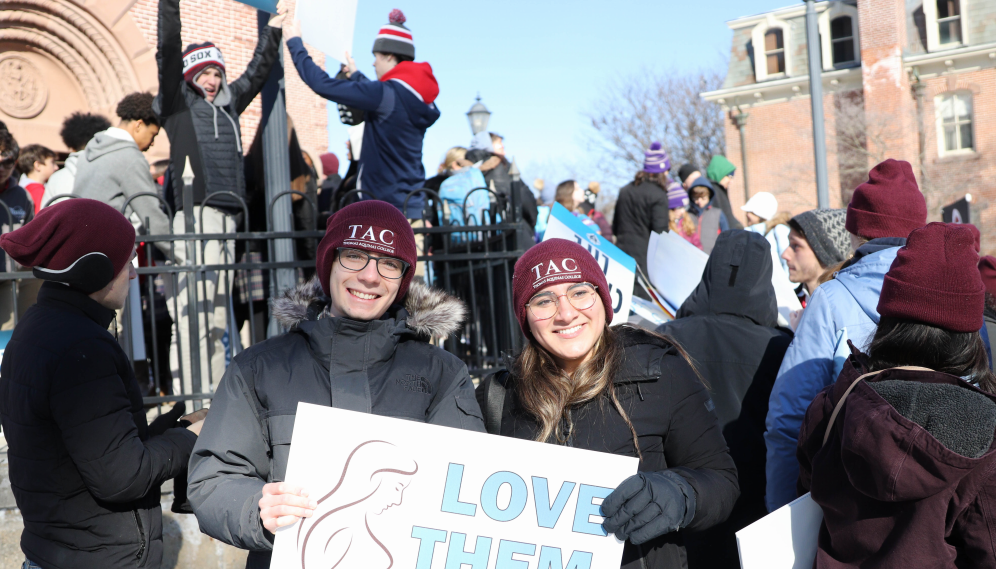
(878, 397)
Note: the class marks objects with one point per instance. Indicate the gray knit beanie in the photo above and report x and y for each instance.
(824, 230)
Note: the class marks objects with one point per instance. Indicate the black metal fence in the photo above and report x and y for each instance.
(470, 255)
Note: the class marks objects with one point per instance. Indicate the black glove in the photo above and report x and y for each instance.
(647, 505)
(167, 420)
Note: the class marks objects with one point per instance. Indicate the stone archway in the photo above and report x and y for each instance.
(61, 56)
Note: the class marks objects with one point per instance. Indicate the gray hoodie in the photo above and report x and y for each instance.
(111, 169)
(61, 183)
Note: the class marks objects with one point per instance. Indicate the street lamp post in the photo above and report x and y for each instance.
(816, 98)
(741, 119)
(478, 116)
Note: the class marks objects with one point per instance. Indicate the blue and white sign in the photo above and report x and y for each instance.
(264, 5)
(619, 268)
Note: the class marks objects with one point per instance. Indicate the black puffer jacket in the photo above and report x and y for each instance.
(729, 327)
(676, 425)
(640, 209)
(385, 367)
(207, 133)
(84, 471)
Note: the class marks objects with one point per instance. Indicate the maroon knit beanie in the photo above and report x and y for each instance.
(330, 163)
(81, 242)
(935, 279)
(889, 204)
(551, 262)
(987, 267)
(371, 225)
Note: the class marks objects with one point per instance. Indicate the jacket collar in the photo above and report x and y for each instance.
(60, 295)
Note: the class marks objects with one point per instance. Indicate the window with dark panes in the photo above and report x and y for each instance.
(949, 21)
(774, 51)
(842, 40)
(955, 116)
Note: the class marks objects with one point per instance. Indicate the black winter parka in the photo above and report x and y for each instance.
(83, 468)
(207, 133)
(729, 326)
(384, 367)
(677, 428)
(640, 209)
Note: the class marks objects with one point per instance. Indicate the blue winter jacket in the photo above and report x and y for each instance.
(845, 308)
(396, 120)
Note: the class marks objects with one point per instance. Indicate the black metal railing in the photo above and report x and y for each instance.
(471, 258)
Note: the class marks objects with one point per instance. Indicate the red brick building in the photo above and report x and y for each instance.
(907, 79)
(61, 56)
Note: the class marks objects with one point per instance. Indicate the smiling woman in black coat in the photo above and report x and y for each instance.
(616, 390)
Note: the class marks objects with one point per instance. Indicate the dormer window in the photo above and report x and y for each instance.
(842, 40)
(948, 21)
(772, 44)
(839, 41)
(774, 51)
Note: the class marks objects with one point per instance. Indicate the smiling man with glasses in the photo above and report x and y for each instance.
(358, 339)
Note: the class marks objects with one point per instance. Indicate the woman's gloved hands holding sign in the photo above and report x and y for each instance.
(648, 505)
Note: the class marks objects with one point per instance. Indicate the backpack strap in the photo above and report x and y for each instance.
(840, 404)
(494, 400)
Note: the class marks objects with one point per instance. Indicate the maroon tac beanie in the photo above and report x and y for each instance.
(889, 204)
(81, 242)
(935, 279)
(374, 226)
(987, 267)
(551, 262)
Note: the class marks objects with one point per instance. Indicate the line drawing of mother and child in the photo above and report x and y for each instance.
(338, 535)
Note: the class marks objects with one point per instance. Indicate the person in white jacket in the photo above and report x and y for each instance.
(77, 130)
(763, 218)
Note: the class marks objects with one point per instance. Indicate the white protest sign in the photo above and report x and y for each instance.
(328, 25)
(619, 268)
(394, 493)
(674, 266)
(784, 539)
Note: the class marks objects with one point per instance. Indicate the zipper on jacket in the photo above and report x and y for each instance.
(141, 535)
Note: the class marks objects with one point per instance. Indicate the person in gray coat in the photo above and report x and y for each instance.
(112, 169)
(358, 340)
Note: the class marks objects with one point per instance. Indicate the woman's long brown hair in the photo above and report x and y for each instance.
(547, 392)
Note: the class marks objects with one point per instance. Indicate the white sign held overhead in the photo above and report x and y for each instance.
(674, 266)
(619, 268)
(328, 25)
(394, 493)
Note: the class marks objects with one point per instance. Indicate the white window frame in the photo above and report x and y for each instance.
(757, 41)
(836, 10)
(934, 33)
(939, 120)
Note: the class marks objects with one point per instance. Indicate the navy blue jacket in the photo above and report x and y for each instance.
(398, 113)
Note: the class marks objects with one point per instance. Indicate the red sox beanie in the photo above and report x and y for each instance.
(374, 226)
(395, 37)
(889, 204)
(80, 242)
(555, 261)
(199, 56)
(935, 279)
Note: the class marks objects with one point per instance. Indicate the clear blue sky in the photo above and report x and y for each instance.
(540, 65)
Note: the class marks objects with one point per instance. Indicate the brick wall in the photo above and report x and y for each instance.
(232, 27)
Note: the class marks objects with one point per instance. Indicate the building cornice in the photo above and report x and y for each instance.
(779, 90)
(936, 63)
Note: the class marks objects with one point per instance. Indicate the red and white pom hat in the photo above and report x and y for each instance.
(395, 37)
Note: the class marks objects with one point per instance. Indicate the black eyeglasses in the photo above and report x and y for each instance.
(8, 162)
(357, 260)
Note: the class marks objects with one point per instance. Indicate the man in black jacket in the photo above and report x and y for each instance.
(729, 327)
(85, 465)
(351, 345)
(200, 112)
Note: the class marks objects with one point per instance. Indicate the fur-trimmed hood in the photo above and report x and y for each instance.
(429, 312)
